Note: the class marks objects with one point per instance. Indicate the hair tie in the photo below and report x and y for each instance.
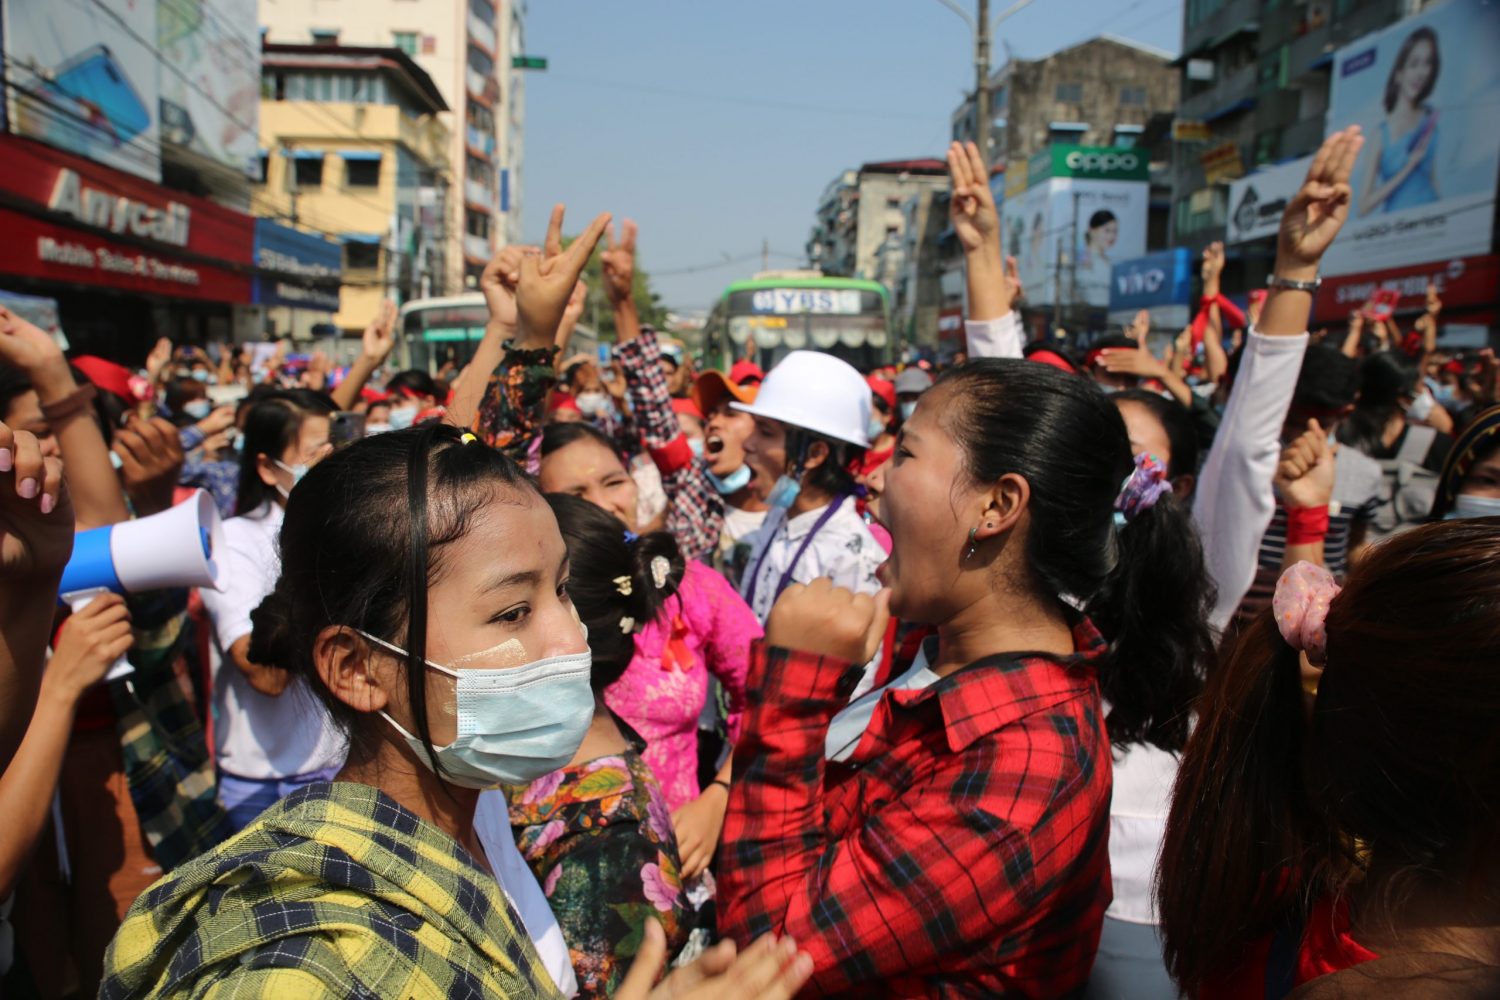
(1303, 595)
(631, 537)
(661, 569)
(622, 584)
(1146, 484)
(467, 437)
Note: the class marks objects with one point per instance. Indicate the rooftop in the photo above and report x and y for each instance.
(285, 55)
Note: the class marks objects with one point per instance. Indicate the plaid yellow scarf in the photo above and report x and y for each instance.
(336, 891)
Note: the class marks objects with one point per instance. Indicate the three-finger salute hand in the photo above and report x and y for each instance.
(972, 206)
(1317, 212)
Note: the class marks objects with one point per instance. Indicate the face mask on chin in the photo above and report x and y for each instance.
(513, 724)
(1469, 505)
(732, 483)
(784, 493)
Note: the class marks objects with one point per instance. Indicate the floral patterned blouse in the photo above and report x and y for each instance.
(705, 628)
(598, 837)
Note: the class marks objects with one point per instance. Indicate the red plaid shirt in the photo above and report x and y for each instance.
(962, 851)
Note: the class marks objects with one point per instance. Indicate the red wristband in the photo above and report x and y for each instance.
(672, 456)
(1305, 525)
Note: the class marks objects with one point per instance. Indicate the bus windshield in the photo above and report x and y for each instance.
(842, 318)
(446, 331)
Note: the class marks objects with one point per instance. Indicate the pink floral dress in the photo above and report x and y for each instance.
(706, 628)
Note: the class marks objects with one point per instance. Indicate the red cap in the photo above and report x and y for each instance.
(884, 389)
(1454, 367)
(680, 406)
(746, 371)
(1054, 359)
(108, 376)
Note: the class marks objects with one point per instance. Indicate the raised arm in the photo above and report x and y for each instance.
(1234, 501)
(97, 497)
(992, 328)
(36, 539)
(378, 342)
(498, 283)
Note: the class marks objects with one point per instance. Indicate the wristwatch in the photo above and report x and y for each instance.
(1276, 281)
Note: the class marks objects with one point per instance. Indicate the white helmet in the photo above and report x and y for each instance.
(816, 392)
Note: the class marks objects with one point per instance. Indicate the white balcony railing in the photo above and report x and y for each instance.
(482, 33)
(476, 81)
(477, 246)
(481, 141)
(477, 193)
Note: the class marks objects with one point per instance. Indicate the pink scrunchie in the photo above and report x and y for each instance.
(1303, 595)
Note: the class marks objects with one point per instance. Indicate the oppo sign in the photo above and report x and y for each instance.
(1103, 163)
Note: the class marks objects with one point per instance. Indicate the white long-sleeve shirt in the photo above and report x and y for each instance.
(995, 338)
(1234, 501)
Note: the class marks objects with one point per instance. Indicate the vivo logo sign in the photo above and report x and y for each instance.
(1145, 282)
(1102, 163)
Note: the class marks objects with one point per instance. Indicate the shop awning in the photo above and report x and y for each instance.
(369, 239)
(307, 154)
(356, 156)
(1243, 104)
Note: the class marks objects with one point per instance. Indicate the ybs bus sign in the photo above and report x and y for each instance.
(800, 301)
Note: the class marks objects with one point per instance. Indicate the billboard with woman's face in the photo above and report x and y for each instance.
(1426, 91)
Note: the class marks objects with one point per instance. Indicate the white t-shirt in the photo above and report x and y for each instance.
(843, 550)
(492, 824)
(1137, 825)
(257, 736)
(740, 524)
(848, 727)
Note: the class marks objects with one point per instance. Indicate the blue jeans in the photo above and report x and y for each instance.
(246, 798)
(1130, 965)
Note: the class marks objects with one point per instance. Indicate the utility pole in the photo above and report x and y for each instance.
(765, 254)
(982, 83)
(1057, 290)
(1073, 263)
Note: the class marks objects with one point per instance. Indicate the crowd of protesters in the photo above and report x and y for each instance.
(1117, 674)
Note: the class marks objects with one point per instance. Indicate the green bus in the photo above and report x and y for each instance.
(783, 312)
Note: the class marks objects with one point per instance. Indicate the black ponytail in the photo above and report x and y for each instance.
(605, 561)
(1144, 585)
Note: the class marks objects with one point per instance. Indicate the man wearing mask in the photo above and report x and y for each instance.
(910, 385)
(725, 431)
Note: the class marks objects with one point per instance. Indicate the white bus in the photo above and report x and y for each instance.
(432, 332)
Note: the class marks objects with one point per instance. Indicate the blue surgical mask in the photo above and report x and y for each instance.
(732, 483)
(403, 417)
(297, 472)
(907, 409)
(1444, 394)
(204, 376)
(513, 724)
(784, 493)
(197, 408)
(874, 429)
(1467, 505)
(695, 445)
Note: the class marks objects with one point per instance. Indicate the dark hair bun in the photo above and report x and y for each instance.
(272, 628)
(656, 574)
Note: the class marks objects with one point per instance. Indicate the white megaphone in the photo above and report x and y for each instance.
(172, 549)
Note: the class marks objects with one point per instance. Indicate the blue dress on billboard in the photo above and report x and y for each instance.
(1417, 189)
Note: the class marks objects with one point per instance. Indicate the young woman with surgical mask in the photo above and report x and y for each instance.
(270, 736)
(423, 598)
(1469, 485)
(812, 418)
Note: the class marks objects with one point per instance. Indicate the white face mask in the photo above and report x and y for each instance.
(403, 417)
(373, 429)
(1421, 407)
(1467, 505)
(513, 724)
(297, 472)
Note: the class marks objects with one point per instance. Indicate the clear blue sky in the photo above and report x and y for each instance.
(717, 123)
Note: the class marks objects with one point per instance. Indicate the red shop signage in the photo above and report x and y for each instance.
(167, 233)
(1464, 282)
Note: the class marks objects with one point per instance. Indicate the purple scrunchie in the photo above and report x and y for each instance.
(1143, 487)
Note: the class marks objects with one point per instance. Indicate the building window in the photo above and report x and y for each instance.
(1133, 97)
(308, 170)
(893, 203)
(361, 256)
(477, 224)
(325, 36)
(1069, 93)
(484, 10)
(406, 41)
(891, 232)
(363, 172)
